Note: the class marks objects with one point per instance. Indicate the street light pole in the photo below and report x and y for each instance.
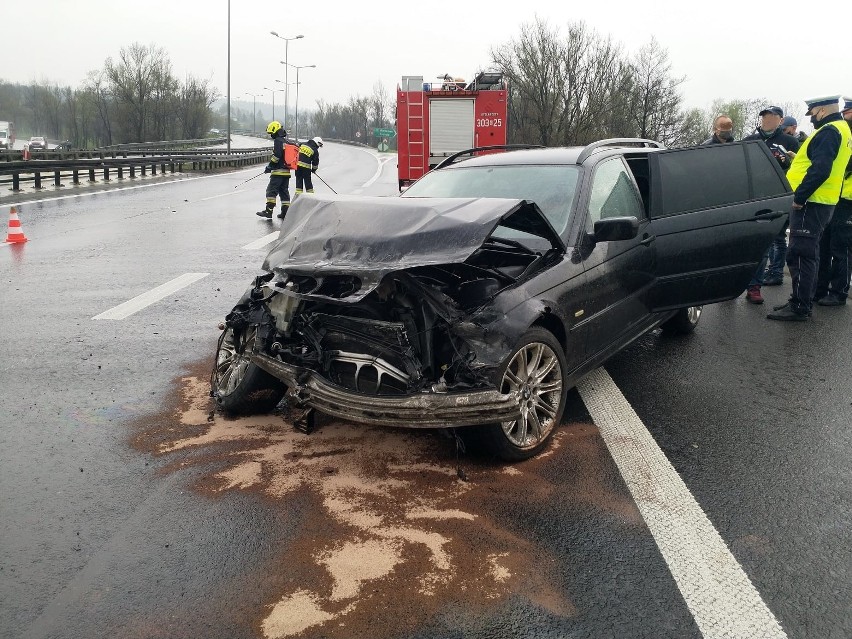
(253, 112)
(273, 99)
(304, 66)
(286, 76)
(229, 77)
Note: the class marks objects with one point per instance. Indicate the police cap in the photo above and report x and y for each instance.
(829, 100)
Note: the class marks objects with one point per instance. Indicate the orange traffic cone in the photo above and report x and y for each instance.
(15, 234)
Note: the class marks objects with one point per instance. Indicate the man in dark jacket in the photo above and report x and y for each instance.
(723, 131)
(835, 246)
(784, 147)
(279, 178)
(308, 163)
(816, 176)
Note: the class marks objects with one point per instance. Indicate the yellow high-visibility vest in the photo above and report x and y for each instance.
(829, 191)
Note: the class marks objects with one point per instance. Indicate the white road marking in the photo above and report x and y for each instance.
(213, 197)
(139, 302)
(718, 593)
(378, 172)
(266, 239)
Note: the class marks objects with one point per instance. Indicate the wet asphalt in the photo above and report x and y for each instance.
(106, 532)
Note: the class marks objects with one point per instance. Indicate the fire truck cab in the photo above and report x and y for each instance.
(436, 120)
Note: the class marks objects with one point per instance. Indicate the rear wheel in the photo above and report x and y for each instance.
(682, 322)
(535, 371)
(238, 385)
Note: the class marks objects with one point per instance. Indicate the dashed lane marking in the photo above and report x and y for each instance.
(147, 298)
(717, 591)
(258, 244)
(213, 197)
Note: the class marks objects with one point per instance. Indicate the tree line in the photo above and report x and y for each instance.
(133, 98)
(566, 87)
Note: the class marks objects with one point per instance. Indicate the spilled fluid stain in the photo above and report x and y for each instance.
(397, 535)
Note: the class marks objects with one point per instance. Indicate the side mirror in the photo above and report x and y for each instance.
(613, 229)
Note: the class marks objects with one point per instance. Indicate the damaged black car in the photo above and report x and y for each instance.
(483, 294)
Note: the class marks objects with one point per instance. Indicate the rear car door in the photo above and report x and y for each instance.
(714, 211)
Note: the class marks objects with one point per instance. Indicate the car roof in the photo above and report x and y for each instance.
(555, 155)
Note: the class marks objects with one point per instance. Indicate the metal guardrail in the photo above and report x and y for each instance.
(16, 172)
(17, 155)
(164, 144)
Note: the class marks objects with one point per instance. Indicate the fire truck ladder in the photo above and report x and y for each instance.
(416, 143)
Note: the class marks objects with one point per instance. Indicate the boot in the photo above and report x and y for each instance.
(787, 314)
(267, 212)
(753, 295)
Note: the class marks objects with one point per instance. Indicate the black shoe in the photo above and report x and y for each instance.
(831, 300)
(786, 306)
(265, 213)
(788, 315)
(773, 281)
(281, 215)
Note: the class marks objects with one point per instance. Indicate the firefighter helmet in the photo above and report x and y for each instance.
(274, 127)
(318, 140)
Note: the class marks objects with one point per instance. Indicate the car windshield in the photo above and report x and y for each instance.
(551, 187)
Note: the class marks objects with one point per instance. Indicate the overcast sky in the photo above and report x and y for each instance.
(738, 50)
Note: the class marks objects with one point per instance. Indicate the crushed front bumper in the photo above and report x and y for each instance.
(421, 410)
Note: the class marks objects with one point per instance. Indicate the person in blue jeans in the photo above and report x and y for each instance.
(783, 147)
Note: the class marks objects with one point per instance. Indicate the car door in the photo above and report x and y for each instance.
(714, 211)
(618, 273)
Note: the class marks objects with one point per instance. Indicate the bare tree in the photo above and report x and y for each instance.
(656, 96)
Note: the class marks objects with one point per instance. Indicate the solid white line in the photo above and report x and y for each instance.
(718, 593)
(139, 302)
(213, 197)
(266, 239)
(379, 170)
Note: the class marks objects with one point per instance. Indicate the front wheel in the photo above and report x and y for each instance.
(683, 321)
(238, 385)
(535, 371)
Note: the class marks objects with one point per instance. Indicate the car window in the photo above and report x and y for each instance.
(552, 187)
(613, 193)
(701, 178)
(765, 180)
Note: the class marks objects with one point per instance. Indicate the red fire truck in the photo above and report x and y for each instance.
(437, 120)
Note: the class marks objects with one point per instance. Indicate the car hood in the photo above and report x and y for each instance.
(369, 237)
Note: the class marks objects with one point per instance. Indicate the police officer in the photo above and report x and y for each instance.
(279, 179)
(835, 246)
(816, 176)
(307, 164)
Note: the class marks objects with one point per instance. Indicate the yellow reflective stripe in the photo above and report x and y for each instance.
(273, 159)
(304, 165)
(270, 199)
(306, 150)
(280, 172)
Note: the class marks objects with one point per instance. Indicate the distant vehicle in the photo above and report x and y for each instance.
(7, 135)
(65, 145)
(38, 143)
(214, 131)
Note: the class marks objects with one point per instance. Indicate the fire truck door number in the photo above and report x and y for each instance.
(484, 122)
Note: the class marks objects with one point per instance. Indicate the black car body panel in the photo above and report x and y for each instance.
(366, 238)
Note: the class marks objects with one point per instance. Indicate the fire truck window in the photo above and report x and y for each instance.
(552, 187)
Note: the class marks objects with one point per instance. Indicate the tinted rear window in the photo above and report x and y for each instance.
(766, 181)
(704, 177)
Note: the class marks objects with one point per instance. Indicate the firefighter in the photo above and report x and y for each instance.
(308, 163)
(279, 178)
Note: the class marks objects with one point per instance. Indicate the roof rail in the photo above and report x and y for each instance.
(594, 146)
(452, 158)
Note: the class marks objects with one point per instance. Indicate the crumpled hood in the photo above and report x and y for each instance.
(370, 237)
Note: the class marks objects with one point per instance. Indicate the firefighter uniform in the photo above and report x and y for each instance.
(816, 177)
(279, 178)
(835, 259)
(308, 163)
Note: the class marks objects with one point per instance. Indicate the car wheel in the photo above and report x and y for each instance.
(682, 322)
(536, 370)
(238, 385)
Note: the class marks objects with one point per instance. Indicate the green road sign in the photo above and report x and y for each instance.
(384, 133)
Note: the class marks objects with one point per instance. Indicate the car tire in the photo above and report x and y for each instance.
(537, 369)
(682, 322)
(239, 386)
